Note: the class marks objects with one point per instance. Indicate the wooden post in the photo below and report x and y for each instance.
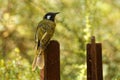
(94, 61)
(51, 70)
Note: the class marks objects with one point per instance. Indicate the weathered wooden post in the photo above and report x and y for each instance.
(94, 60)
(51, 70)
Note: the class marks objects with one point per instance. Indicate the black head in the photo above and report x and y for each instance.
(50, 16)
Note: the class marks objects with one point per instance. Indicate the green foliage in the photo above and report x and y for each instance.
(77, 22)
(16, 70)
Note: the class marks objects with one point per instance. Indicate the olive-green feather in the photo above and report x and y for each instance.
(45, 30)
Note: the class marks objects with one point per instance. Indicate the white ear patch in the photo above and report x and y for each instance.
(48, 16)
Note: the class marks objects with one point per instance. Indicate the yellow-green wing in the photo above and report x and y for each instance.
(44, 33)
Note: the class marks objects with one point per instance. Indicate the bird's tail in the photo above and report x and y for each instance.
(38, 60)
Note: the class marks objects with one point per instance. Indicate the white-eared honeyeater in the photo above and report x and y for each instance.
(44, 32)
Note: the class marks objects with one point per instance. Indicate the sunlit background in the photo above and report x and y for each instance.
(77, 22)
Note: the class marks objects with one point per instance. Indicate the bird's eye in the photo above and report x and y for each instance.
(48, 16)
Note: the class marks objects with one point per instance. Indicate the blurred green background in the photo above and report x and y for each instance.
(77, 22)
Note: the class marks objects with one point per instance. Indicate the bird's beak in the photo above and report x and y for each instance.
(57, 13)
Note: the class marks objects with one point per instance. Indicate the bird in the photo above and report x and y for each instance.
(43, 34)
